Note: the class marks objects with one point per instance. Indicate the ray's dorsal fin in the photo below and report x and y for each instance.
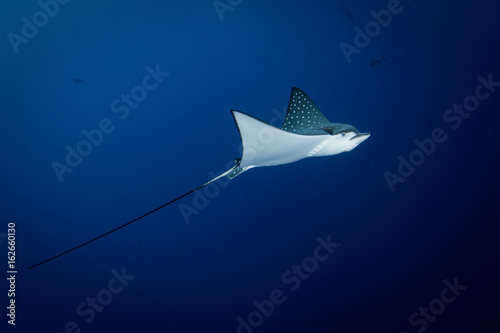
(303, 116)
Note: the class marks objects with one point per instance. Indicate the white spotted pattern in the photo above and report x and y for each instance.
(303, 116)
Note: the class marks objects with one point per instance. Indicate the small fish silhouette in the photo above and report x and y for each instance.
(348, 13)
(378, 61)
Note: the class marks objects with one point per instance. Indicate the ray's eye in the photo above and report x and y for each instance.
(343, 133)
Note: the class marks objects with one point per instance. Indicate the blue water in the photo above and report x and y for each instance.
(396, 251)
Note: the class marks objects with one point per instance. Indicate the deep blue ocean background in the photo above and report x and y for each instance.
(396, 247)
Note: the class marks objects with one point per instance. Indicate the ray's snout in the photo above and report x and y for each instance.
(361, 137)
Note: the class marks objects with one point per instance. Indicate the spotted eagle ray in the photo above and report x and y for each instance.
(306, 132)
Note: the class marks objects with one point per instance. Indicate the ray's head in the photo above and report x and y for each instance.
(346, 136)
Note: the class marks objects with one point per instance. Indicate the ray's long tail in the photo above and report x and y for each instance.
(137, 218)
